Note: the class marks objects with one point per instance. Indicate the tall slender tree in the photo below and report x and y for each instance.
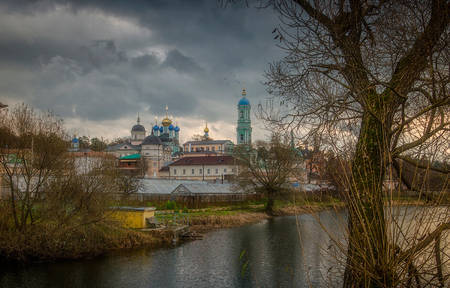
(378, 71)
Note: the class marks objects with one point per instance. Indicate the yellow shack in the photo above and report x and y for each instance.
(133, 217)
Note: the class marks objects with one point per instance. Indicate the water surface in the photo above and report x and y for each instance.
(280, 252)
(267, 254)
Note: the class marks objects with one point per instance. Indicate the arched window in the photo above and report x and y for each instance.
(242, 114)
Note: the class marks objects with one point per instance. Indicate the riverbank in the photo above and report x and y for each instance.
(208, 219)
(205, 220)
(43, 244)
(95, 240)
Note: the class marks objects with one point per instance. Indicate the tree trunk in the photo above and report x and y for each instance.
(368, 255)
(270, 203)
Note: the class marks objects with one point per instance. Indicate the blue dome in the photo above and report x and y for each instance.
(244, 101)
(156, 128)
(74, 140)
(161, 129)
(177, 129)
(171, 127)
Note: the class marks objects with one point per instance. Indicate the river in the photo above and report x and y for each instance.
(280, 252)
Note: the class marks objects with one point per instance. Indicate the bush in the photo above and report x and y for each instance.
(171, 205)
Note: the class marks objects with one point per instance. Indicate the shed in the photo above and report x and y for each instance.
(133, 217)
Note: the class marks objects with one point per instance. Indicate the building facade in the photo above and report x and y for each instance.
(244, 125)
(207, 147)
(207, 168)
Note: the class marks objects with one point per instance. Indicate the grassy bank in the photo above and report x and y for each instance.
(207, 219)
(43, 244)
(50, 243)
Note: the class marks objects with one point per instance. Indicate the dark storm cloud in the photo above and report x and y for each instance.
(103, 52)
(144, 62)
(179, 62)
(194, 56)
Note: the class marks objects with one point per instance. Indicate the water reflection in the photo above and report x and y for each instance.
(281, 252)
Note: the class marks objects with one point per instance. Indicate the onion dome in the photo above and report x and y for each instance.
(161, 129)
(152, 140)
(177, 129)
(206, 130)
(166, 122)
(155, 128)
(244, 101)
(138, 128)
(75, 140)
(171, 127)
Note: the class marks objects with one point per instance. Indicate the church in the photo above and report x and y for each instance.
(161, 149)
(157, 149)
(212, 160)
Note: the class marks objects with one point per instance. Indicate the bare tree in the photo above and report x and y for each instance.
(128, 183)
(198, 137)
(32, 153)
(377, 72)
(50, 194)
(267, 168)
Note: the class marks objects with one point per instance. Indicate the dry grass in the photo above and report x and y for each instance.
(44, 244)
(212, 222)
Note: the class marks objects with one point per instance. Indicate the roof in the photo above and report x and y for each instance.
(131, 157)
(165, 137)
(202, 153)
(127, 208)
(3, 105)
(188, 188)
(244, 101)
(207, 142)
(90, 153)
(164, 186)
(152, 140)
(159, 186)
(204, 160)
(138, 127)
(417, 178)
(164, 168)
(120, 145)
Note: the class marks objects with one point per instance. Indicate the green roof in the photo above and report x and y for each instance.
(13, 159)
(131, 157)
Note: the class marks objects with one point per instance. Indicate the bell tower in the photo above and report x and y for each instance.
(244, 125)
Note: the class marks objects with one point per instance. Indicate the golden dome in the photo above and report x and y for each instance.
(206, 130)
(166, 122)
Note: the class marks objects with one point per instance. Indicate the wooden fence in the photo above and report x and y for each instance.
(204, 200)
(195, 200)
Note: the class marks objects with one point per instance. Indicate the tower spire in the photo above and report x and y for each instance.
(244, 128)
(206, 130)
(138, 119)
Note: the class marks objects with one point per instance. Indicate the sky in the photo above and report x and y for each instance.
(97, 64)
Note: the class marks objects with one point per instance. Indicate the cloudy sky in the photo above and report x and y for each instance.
(98, 63)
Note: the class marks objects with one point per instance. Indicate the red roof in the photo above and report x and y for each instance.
(205, 160)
